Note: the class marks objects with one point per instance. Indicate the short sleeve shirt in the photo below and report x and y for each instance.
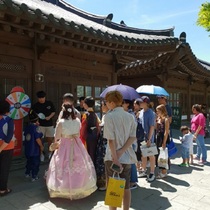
(187, 140)
(44, 108)
(119, 125)
(169, 110)
(31, 134)
(6, 129)
(197, 120)
(147, 118)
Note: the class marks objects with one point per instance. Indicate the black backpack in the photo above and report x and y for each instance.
(139, 131)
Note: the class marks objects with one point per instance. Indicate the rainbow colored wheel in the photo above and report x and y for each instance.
(20, 105)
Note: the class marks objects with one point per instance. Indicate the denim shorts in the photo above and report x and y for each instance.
(185, 152)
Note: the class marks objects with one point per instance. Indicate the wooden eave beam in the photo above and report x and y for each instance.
(42, 27)
(7, 28)
(31, 34)
(2, 15)
(20, 31)
(108, 47)
(16, 19)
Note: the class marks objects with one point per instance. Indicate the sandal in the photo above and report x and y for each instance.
(5, 192)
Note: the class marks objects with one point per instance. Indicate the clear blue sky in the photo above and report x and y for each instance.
(156, 14)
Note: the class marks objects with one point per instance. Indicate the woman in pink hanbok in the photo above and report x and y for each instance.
(71, 171)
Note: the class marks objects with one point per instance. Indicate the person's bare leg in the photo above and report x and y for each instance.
(144, 163)
(152, 164)
(191, 158)
(112, 208)
(127, 199)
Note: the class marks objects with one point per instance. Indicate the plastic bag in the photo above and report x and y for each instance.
(163, 158)
(149, 151)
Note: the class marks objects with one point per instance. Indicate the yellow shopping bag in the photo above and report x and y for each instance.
(115, 191)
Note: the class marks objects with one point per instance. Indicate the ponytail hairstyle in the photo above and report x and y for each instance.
(197, 107)
(68, 111)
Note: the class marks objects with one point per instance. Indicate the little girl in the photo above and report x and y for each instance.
(71, 172)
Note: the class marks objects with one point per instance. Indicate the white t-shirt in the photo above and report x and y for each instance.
(119, 125)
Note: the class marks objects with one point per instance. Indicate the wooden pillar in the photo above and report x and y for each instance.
(189, 102)
(36, 86)
(114, 78)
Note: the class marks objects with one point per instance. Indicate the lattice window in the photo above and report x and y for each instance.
(11, 67)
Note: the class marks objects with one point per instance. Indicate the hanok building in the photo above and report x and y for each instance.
(50, 45)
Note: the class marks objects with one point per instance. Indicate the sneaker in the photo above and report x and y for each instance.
(45, 174)
(42, 157)
(202, 162)
(196, 158)
(35, 179)
(151, 178)
(161, 176)
(142, 174)
(27, 175)
(183, 165)
(134, 186)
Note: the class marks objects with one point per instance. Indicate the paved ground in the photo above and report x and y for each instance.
(183, 189)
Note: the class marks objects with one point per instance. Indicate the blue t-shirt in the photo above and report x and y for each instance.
(147, 118)
(31, 134)
(6, 129)
(169, 110)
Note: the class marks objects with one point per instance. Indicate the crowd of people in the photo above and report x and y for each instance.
(82, 147)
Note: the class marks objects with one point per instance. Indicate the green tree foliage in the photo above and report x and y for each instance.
(204, 16)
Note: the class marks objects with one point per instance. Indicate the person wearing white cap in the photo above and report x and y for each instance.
(147, 117)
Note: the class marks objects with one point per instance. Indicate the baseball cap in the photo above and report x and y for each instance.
(144, 99)
(161, 96)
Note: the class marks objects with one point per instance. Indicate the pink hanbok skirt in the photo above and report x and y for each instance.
(71, 171)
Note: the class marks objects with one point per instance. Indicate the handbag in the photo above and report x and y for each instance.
(149, 151)
(54, 146)
(115, 191)
(171, 148)
(163, 158)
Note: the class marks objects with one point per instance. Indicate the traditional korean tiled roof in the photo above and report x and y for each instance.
(204, 64)
(186, 63)
(102, 20)
(132, 49)
(46, 12)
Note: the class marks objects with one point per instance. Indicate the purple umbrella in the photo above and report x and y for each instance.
(127, 92)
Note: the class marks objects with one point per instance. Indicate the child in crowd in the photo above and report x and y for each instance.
(33, 147)
(187, 146)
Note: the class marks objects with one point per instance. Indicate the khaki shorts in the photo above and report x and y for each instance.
(126, 173)
(47, 131)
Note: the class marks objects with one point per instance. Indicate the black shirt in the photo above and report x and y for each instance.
(44, 109)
